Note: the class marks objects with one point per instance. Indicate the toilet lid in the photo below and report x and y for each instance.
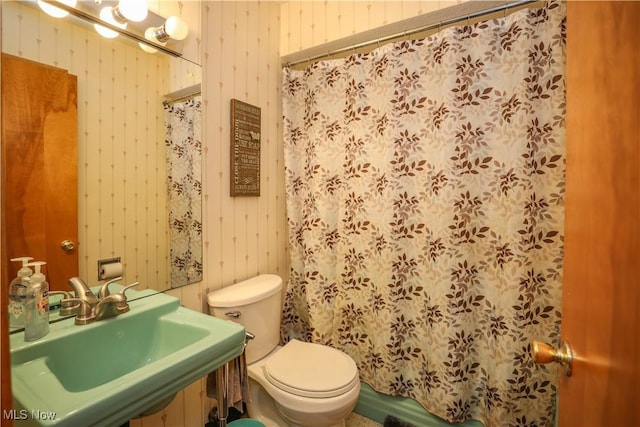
(311, 370)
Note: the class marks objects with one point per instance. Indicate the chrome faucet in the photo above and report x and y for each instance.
(82, 291)
(106, 306)
(111, 305)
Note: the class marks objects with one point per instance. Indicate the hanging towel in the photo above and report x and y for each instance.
(238, 383)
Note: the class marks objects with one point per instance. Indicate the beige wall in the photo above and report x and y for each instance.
(306, 24)
(243, 236)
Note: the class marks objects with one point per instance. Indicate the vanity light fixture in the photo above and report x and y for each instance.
(55, 11)
(120, 15)
(131, 10)
(173, 28)
(121, 18)
(149, 34)
(107, 15)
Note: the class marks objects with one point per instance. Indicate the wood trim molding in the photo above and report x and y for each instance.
(6, 400)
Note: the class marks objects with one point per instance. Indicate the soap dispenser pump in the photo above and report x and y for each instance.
(18, 293)
(36, 305)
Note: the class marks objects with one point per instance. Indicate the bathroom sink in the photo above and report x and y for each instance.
(110, 371)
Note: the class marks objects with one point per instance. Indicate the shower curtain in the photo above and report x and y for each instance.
(425, 185)
(184, 186)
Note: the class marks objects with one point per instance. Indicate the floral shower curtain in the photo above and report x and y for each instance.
(425, 185)
(184, 154)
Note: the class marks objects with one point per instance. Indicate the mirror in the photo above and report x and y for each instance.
(122, 157)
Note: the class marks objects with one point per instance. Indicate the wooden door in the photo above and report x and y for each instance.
(39, 142)
(601, 297)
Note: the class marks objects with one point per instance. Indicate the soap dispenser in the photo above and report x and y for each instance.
(36, 322)
(18, 293)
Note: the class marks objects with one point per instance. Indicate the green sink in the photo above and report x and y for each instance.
(110, 371)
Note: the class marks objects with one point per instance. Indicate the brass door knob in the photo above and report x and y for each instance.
(544, 353)
(67, 246)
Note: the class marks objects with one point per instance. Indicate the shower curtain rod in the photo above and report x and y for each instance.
(418, 24)
(182, 94)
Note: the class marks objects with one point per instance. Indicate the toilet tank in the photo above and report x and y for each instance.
(256, 304)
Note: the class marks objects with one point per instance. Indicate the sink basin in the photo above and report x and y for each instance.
(113, 370)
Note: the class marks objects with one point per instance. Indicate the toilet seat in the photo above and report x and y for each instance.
(311, 370)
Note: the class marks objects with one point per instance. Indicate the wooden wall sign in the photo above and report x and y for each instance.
(245, 149)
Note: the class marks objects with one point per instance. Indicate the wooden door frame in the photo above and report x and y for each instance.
(601, 287)
(6, 397)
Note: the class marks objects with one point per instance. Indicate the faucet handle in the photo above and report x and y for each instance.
(118, 301)
(85, 312)
(67, 308)
(122, 305)
(104, 290)
(65, 294)
(134, 284)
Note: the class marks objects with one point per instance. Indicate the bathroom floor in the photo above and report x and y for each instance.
(356, 420)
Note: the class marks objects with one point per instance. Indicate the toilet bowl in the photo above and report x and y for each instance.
(298, 384)
(310, 384)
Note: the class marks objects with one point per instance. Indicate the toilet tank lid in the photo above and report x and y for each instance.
(245, 292)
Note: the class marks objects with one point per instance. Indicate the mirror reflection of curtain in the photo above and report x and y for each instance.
(184, 150)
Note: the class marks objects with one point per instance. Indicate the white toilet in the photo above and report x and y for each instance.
(298, 384)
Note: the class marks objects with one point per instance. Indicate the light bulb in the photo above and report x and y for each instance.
(150, 34)
(133, 10)
(147, 48)
(106, 14)
(56, 12)
(173, 28)
(176, 28)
